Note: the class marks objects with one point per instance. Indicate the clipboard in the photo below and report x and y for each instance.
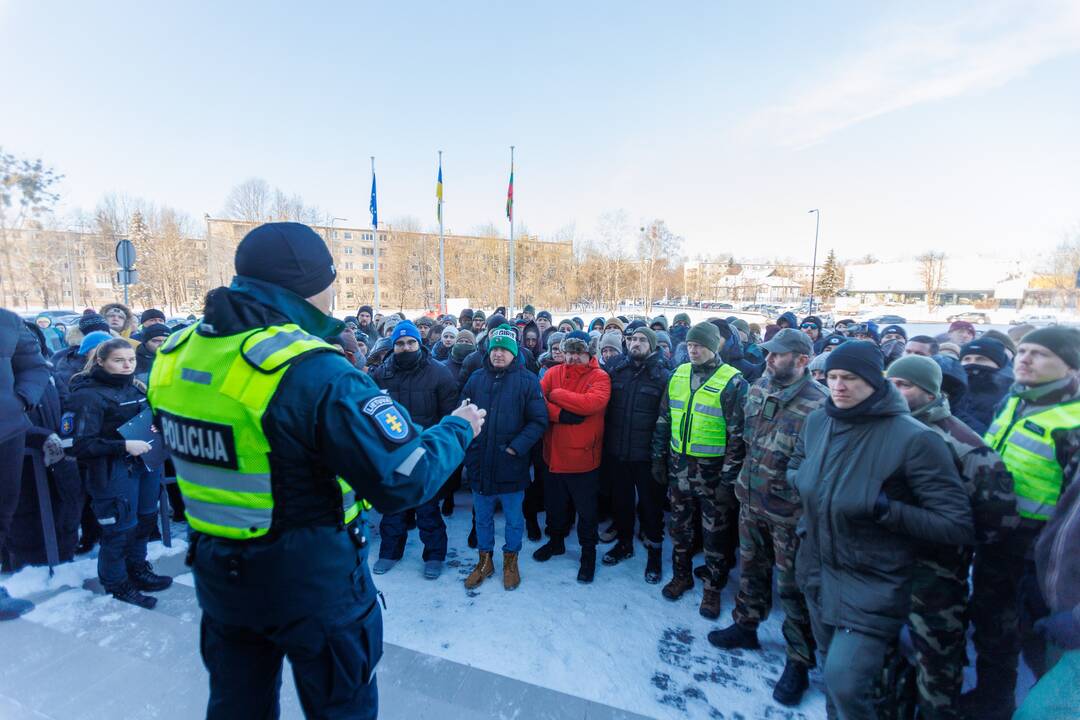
(140, 428)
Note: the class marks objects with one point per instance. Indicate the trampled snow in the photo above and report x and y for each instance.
(616, 641)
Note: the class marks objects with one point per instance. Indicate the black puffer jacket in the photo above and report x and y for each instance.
(854, 563)
(636, 389)
(426, 390)
(23, 374)
(102, 402)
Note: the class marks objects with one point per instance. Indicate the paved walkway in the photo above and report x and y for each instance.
(86, 656)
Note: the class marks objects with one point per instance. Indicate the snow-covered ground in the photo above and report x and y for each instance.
(617, 641)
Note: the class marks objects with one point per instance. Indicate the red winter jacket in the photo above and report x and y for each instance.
(582, 390)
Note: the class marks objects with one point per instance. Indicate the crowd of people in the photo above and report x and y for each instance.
(901, 489)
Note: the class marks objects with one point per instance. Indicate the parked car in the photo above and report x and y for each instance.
(1035, 319)
(888, 320)
(971, 316)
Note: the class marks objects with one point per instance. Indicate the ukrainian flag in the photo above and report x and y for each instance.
(438, 192)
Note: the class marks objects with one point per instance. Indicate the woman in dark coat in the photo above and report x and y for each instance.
(123, 491)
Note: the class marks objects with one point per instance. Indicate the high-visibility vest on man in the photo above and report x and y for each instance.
(1026, 444)
(698, 428)
(210, 395)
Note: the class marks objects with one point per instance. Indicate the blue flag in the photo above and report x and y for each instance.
(374, 207)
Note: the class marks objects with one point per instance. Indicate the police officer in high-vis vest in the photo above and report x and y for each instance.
(698, 452)
(1036, 430)
(278, 441)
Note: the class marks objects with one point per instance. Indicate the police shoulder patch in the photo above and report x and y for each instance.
(67, 423)
(389, 420)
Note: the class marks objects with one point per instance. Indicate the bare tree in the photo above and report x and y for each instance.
(27, 192)
(932, 273)
(656, 248)
(250, 201)
(614, 257)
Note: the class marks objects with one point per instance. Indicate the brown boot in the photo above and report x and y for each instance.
(511, 575)
(710, 604)
(682, 579)
(483, 570)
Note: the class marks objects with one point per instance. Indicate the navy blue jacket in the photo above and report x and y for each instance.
(636, 389)
(516, 418)
(23, 374)
(65, 364)
(986, 388)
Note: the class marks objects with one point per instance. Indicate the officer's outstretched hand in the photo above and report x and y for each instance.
(469, 411)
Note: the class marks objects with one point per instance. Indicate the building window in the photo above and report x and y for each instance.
(365, 266)
(348, 266)
(348, 235)
(348, 250)
(348, 281)
(348, 296)
(367, 251)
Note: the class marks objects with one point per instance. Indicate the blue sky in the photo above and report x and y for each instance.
(912, 125)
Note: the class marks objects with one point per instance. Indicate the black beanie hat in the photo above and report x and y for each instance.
(156, 330)
(722, 325)
(90, 322)
(987, 347)
(366, 308)
(288, 254)
(861, 357)
(1062, 341)
(151, 314)
(494, 321)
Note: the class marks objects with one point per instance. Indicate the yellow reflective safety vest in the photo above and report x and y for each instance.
(209, 395)
(698, 428)
(1026, 445)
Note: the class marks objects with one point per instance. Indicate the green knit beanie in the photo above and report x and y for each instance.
(649, 334)
(705, 334)
(917, 370)
(1062, 341)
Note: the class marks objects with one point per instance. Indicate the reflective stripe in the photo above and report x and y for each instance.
(220, 478)
(677, 404)
(708, 410)
(1034, 509)
(707, 449)
(196, 376)
(409, 463)
(229, 515)
(1032, 446)
(261, 351)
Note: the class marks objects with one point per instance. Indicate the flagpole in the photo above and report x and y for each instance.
(442, 243)
(510, 305)
(375, 239)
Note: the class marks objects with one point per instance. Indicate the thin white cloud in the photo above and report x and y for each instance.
(912, 63)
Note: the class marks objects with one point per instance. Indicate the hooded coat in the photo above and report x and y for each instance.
(985, 388)
(583, 390)
(516, 419)
(874, 484)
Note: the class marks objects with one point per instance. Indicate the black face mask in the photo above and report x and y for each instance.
(407, 360)
(979, 372)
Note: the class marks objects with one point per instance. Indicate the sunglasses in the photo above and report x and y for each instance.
(808, 326)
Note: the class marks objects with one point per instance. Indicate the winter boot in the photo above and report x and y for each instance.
(609, 534)
(532, 527)
(143, 577)
(127, 592)
(483, 570)
(433, 569)
(11, 608)
(511, 574)
(383, 565)
(792, 684)
(588, 565)
(710, 604)
(735, 636)
(654, 565)
(681, 580)
(621, 551)
(554, 546)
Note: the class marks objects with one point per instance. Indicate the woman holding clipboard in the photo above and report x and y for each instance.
(123, 491)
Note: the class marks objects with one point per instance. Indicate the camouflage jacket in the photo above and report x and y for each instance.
(986, 479)
(774, 418)
(720, 469)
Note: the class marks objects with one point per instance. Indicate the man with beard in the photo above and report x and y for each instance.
(776, 409)
(638, 380)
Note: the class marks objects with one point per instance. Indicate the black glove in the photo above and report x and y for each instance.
(659, 471)
(568, 418)
(1061, 627)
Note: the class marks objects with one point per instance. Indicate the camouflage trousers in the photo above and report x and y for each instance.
(690, 493)
(763, 545)
(939, 602)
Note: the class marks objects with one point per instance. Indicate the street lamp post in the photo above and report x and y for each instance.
(813, 266)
